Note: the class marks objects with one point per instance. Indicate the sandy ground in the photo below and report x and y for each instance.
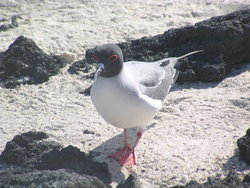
(192, 137)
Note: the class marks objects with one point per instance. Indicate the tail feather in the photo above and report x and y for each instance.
(174, 61)
(188, 54)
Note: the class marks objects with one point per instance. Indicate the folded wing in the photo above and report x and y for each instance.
(154, 78)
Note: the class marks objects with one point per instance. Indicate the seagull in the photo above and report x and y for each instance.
(129, 94)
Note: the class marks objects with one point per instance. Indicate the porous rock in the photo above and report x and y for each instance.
(224, 39)
(82, 66)
(231, 181)
(29, 150)
(16, 177)
(13, 24)
(86, 91)
(25, 63)
(131, 182)
(72, 158)
(26, 150)
(244, 147)
(247, 179)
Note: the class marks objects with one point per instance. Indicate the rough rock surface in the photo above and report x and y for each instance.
(131, 182)
(16, 177)
(231, 181)
(29, 150)
(81, 66)
(224, 39)
(25, 63)
(72, 158)
(13, 24)
(244, 147)
(26, 150)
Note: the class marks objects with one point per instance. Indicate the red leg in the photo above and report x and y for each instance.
(139, 135)
(127, 154)
(126, 139)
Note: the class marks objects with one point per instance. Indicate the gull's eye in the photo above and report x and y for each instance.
(113, 58)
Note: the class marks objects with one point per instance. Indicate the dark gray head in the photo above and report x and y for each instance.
(110, 55)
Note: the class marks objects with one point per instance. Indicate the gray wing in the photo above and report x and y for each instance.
(154, 78)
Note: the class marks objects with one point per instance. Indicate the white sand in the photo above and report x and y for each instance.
(193, 136)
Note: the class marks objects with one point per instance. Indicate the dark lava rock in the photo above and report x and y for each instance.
(231, 181)
(26, 150)
(224, 39)
(29, 150)
(247, 179)
(86, 131)
(86, 91)
(244, 147)
(131, 182)
(16, 177)
(80, 66)
(72, 158)
(25, 63)
(13, 24)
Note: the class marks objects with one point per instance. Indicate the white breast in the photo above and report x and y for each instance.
(119, 101)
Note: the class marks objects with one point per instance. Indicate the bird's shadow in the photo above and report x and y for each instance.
(116, 143)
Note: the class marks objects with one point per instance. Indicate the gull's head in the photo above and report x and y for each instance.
(109, 58)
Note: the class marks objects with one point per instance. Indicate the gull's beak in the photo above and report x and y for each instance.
(99, 69)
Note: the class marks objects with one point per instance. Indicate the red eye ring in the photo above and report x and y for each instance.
(113, 58)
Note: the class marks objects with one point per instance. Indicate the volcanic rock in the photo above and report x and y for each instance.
(29, 150)
(13, 24)
(72, 158)
(16, 177)
(231, 181)
(131, 182)
(26, 150)
(86, 91)
(25, 63)
(247, 179)
(80, 66)
(244, 147)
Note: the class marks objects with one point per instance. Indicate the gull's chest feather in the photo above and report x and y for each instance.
(119, 102)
